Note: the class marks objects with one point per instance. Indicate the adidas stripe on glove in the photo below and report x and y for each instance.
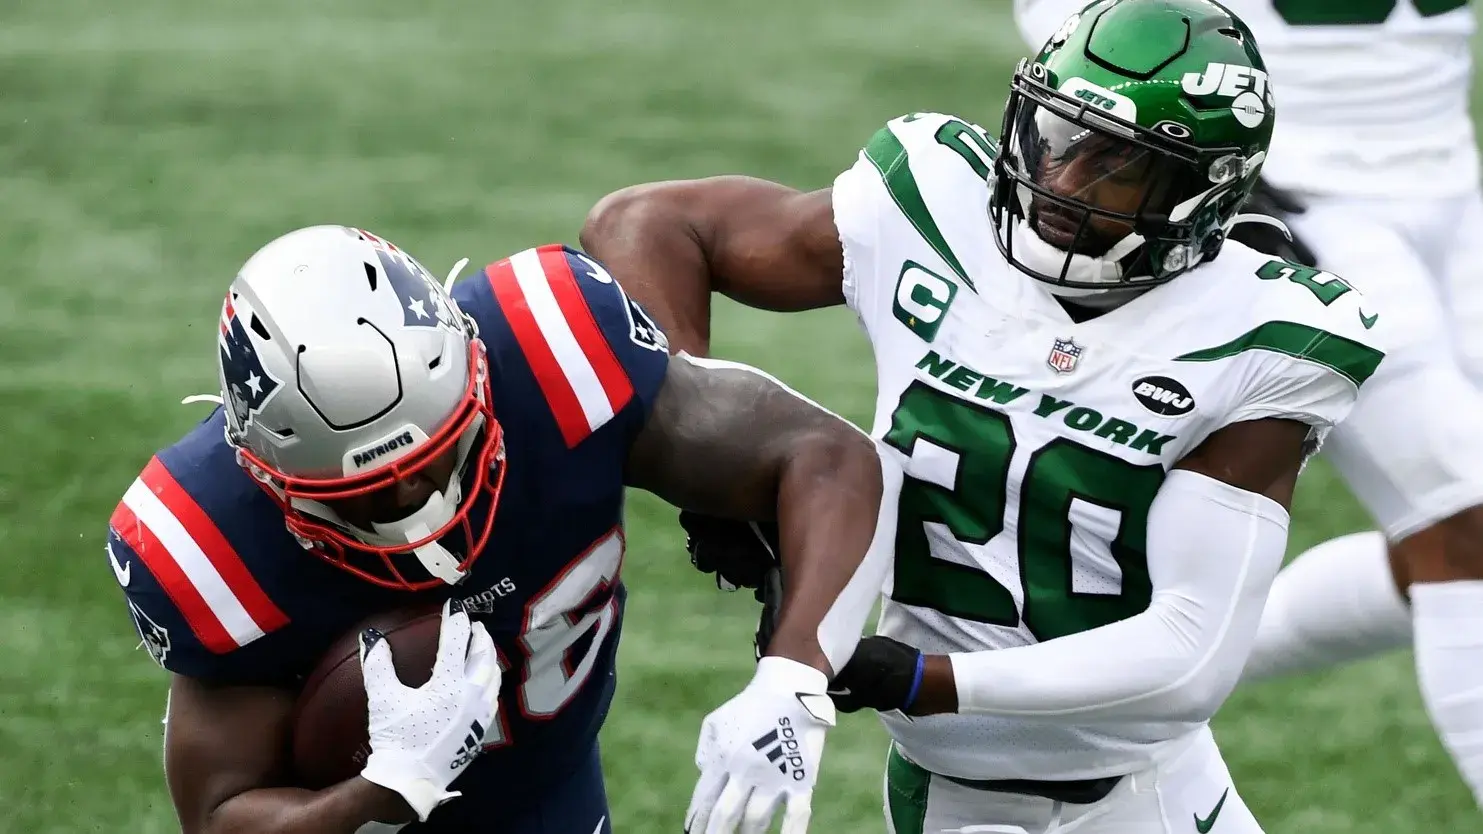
(761, 750)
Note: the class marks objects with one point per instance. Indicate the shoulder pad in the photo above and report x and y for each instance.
(919, 189)
(1305, 314)
(186, 584)
(592, 350)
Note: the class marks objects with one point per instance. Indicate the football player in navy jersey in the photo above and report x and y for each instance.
(382, 440)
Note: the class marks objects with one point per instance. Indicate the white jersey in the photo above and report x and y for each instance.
(1371, 95)
(1033, 445)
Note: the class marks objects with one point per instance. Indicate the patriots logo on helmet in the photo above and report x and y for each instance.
(422, 305)
(248, 385)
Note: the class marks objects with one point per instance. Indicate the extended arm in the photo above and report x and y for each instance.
(1216, 536)
(674, 243)
(731, 441)
(728, 440)
(225, 756)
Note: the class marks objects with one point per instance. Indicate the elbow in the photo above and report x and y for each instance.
(1196, 675)
(1196, 699)
(622, 212)
(843, 455)
(1196, 686)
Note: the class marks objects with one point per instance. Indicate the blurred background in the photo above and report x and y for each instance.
(147, 148)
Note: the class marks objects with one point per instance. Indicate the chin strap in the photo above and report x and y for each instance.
(435, 559)
(202, 398)
(453, 275)
(1258, 218)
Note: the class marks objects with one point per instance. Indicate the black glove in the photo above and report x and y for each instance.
(1274, 202)
(883, 675)
(739, 553)
(770, 594)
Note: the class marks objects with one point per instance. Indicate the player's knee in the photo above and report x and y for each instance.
(1450, 550)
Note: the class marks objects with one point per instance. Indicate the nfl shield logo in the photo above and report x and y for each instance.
(1063, 356)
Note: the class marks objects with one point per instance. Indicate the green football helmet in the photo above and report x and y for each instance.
(1129, 145)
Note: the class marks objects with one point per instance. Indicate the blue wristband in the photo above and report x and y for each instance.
(916, 682)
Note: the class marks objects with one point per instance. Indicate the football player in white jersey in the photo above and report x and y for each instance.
(1376, 139)
(1100, 404)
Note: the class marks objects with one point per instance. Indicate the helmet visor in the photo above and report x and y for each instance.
(1086, 182)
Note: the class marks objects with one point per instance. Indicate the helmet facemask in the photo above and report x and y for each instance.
(379, 553)
(357, 395)
(1090, 202)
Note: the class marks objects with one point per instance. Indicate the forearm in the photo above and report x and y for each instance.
(341, 809)
(728, 440)
(837, 523)
(1140, 669)
(1213, 551)
(645, 238)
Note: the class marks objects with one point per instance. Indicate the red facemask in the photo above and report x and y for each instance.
(379, 564)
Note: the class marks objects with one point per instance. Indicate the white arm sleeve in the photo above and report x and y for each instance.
(1213, 551)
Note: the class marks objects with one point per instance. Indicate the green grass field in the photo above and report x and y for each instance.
(146, 148)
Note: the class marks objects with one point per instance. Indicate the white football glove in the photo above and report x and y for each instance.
(762, 749)
(422, 738)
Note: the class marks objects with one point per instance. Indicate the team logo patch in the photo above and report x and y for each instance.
(1249, 109)
(1064, 355)
(156, 638)
(1249, 89)
(1163, 396)
(248, 385)
(642, 330)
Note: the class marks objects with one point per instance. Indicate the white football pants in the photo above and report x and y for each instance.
(1411, 450)
(1187, 792)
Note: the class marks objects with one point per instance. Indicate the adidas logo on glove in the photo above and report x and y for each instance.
(781, 748)
(470, 748)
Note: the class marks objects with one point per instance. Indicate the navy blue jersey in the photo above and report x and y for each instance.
(220, 590)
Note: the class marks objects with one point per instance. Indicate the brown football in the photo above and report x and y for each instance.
(330, 734)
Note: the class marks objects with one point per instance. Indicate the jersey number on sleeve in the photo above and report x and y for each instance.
(563, 635)
(967, 449)
(979, 154)
(1354, 12)
(1327, 291)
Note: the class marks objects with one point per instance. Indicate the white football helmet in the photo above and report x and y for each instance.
(345, 368)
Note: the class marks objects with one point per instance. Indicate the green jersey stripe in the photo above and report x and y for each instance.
(888, 156)
(1346, 357)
